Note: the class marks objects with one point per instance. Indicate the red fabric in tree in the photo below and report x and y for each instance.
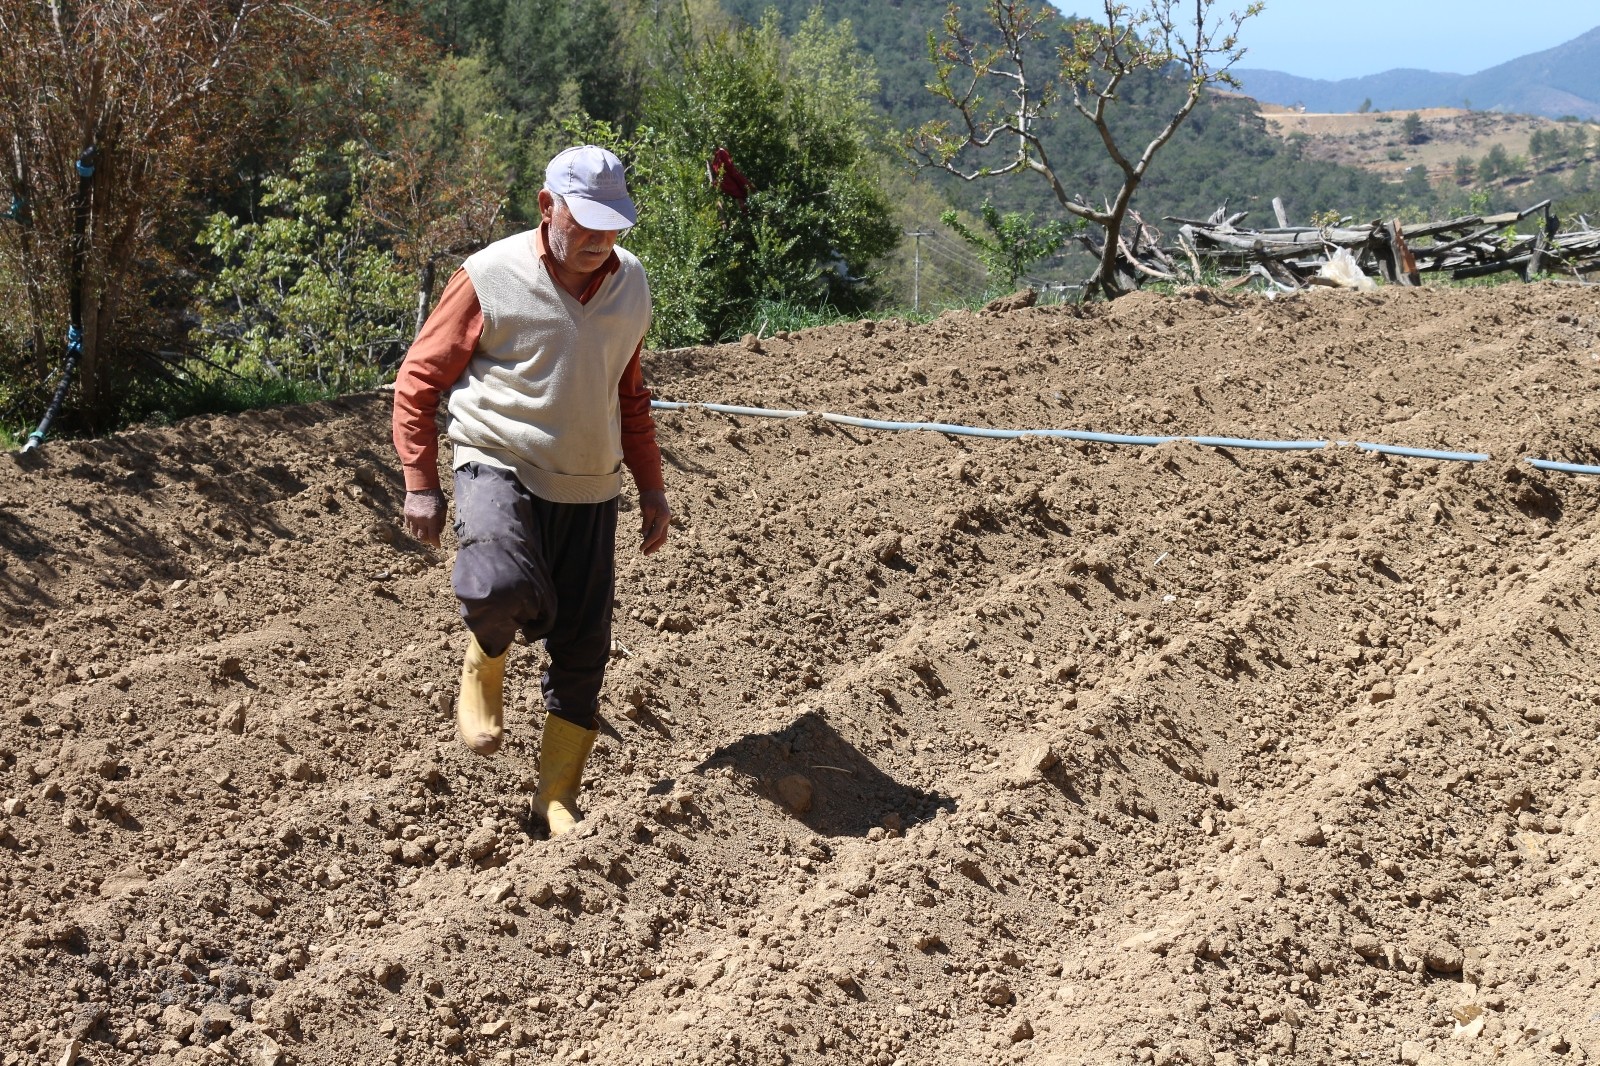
(726, 177)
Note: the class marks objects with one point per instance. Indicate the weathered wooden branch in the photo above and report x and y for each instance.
(1291, 256)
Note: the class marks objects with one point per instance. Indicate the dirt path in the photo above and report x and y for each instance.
(917, 749)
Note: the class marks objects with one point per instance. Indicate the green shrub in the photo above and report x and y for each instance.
(18, 371)
(306, 294)
(215, 392)
(797, 120)
(1013, 243)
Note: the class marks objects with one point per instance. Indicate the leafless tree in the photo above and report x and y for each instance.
(1002, 97)
(112, 112)
(437, 197)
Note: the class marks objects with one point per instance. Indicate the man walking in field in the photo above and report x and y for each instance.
(535, 346)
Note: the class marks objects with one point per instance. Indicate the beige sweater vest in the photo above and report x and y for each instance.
(539, 397)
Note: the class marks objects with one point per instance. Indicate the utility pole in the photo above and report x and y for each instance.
(916, 267)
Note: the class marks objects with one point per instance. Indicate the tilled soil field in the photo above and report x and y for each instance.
(917, 748)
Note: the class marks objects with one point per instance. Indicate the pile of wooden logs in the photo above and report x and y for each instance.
(1293, 256)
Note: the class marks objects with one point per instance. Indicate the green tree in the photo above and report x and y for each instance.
(1496, 163)
(1413, 128)
(1366, 105)
(1012, 244)
(1582, 181)
(1419, 190)
(534, 47)
(550, 61)
(308, 292)
(1094, 66)
(439, 187)
(1539, 145)
(796, 120)
(1464, 169)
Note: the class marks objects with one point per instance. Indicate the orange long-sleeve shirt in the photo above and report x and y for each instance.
(441, 353)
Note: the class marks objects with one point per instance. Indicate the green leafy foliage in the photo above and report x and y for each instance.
(157, 402)
(549, 61)
(535, 47)
(1495, 164)
(1011, 242)
(22, 373)
(305, 293)
(795, 118)
(1417, 187)
(439, 187)
(174, 100)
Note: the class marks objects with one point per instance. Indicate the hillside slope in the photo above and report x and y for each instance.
(1377, 141)
(917, 748)
(1224, 152)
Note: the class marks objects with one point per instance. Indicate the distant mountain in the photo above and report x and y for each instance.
(1564, 80)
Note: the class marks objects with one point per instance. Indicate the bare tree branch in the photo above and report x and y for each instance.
(158, 89)
(1091, 69)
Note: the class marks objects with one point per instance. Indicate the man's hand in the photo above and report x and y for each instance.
(655, 515)
(424, 515)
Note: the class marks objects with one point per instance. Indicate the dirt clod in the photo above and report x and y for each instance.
(796, 791)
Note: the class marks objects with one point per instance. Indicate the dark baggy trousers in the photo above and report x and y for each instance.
(547, 569)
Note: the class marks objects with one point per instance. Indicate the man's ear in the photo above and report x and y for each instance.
(547, 204)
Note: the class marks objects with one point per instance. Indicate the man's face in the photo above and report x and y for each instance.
(575, 248)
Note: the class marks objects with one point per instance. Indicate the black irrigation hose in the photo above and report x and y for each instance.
(80, 252)
(19, 211)
(70, 367)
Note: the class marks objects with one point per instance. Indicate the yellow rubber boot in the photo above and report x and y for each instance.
(480, 709)
(563, 749)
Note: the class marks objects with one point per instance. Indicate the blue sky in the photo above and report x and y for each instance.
(1349, 38)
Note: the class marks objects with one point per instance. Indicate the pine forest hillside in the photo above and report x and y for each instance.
(1229, 152)
(1225, 153)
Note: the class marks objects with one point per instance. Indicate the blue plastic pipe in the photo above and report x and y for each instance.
(1565, 468)
(1419, 453)
(993, 434)
(730, 409)
(1111, 438)
(1264, 445)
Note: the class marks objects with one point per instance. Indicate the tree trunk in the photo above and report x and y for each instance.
(93, 384)
(1107, 279)
(424, 294)
(31, 269)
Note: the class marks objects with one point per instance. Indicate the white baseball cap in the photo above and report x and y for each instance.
(591, 181)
